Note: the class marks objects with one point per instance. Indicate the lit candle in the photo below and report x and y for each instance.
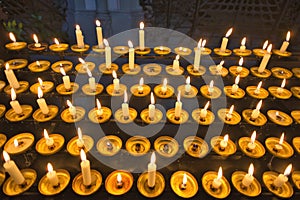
(11, 167)
(13, 38)
(80, 141)
(140, 87)
(131, 55)
(280, 89)
(164, 86)
(49, 140)
(52, 176)
(187, 86)
(220, 67)
(119, 181)
(282, 178)
(184, 181)
(278, 146)
(99, 108)
(11, 78)
(125, 107)
(116, 81)
(79, 37)
(265, 45)
(85, 169)
(243, 42)
(151, 107)
(107, 54)
(229, 114)
(217, 181)
(38, 63)
(255, 113)
(225, 40)
(92, 82)
(240, 68)
(152, 171)
(198, 52)
(142, 36)
(36, 40)
(251, 145)
(66, 79)
(224, 142)
(41, 102)
(285, 44)
(248, 178)
(57, 42)
(257, 90)
(99, 34)
(178, 106)
(15, 103)
(211, 87)
(235, 86)
(265, 59)
(203, 111)
(72, 109)
(176, 63)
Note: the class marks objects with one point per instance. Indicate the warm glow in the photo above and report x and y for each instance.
(46, 134)
(188, 80)
(37, 63)
(243, 41)
(152, 98)
(7, 66)
(269, 48)
(49, 167)
(231, 110)
(98, 22)
(106, 42)
(12, 37)
(221, 63)
(229, 32)
(35, 38)
(40, 92)
(258, 106)
(119, 178)
(13, 94)
(288, 35)
(203, 43)
(177, 57)
(251, 169)
(69, 103)
(82, 155)
(265, 44)
(142, 25)
(161, 48)
(77, 27)
(241, 61)
(277, 114)
(6, 156)
(16, 143)
(184, 179)
(141, 82)
(199, 43)
(226, 137)
(114, 74)
(281, 139)
(259, 85)
(40, 81)
(237, 79)
(81, 61)
(56, 41)
(178, 96)
(220, 173)
(283, 83)
(211, 84)
(165, 82)
(206, 105)
(253, 137)
(89, 73)
(153, 158)
(98, 104)
(130, 44)
(125, 96)
(288, 170)
(62, 71)
(79, 133)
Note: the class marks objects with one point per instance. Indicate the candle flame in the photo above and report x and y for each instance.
(153, 158)
(49, 167)
(206, 105)
(241, 61)
(231, 110)
(142, 25)
(165, 82)
(288, 170)
(98, 23)
(69, 103)
(269, 48)
(177, 57)
(62, 71)
(277, 114)
(16, 143)
(161, 48)
(258, 106)
(253, 137)
(259, 85)
(40, 92)
(77, 27)
(221, 63)
(12, 37)
(13, 94)
(226, 138)
(56, 41)
(7, 66)
(288, 35)
(243, 42)
(141, 82)
(211, 84)
(237, 80)
(79, 133)
(6, 156)
(130, 44)
(229, 32)
(281, 139)
(106, 42)
(81, 61)
(114, 74)
(188, 80)
(283, 83)
(199, 43)
(89, 72)
(203, 43)
(178, 96)
(220, 173)
(265, 44)
(37, 63)
(35, 38)
(119, 178)
(152, 98)
(184, 179)
(98, 104)
(82, 155)
(46, 134)
(40, 81)
(125, 96)
(251, 169)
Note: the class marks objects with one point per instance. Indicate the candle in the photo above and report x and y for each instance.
(12, 37)
(225, 40)
(66, 79)
(220, 67)
(229, 114)
(164, 86)
(255, 113)
(176, 63)
(51, 175)
(197, 56)
(285, 44)
(280, 89)
(116, 81)
(257, 90)
(11, 78)
(15, 103)
(140, 87)
(178, 106)
(151, 107)
(56, 42)
(80, 141)
(243, 42)
(282, 178)
(72, 109)
(41, 102)
(235, 86)
(224, 142)
(119, 181)
(99, 108)
(211, 87)
(187, 86)
(92, 82)
(240, 68)
(203, 111)
(184, 181)
(99, 34)
(107, 54)
(49, 141)
(36, 40)
(217, 181)
(11, 167)
(131, 55)
(142, 36)
(85, 169)
(79, 37)
(125, 107)
(278, 146)
(152, 171)
(265, 59)
(251, 145)
(248, 178)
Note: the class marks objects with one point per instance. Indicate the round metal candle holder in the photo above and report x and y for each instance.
(218, 51)
(285, 152)
(73, 148)
(2, 177)
(112, 186)
(204, 50)
(283, 54)
(296, 71)
(253, 190)
(296, 115)
(296, 144)
(75, 48)
(296, 179)
(152, 69)
(184, 116)
(39, 116)
(191, 71)
(43, 149)
(121, 50)
(191, 94)
(98, 49)
(24, 85)
(2, 85)
(115, 145)
(136, 69)
(134, 90)
(99, 119)
(138, 145)
(79, 188)
(110, 90)
(18, 63)
(166, 146)
(16, 46)
(162, 50)
(11, 116)
(265, 74)
(46, 188)
(2, 110)
(145, 190)
(59, 47)
(44, 65)
(259, 121)
(216, 92)
(183, 51)
(263, 93)
(25, 141)
(158, 91)
(113, 67)
(209, 119)
(46, 87)
(191, 186)
(10, 188)
(213, 70)
(239, 52)
(63, 91)
(240, 93)
(125, 120)
(236, 118)
(280, 72)
(219, 193)
(82, 68)
(68, 118)
(281, 119)
(195, 146)
(286, 94)
(158, 115)
(259, 52)
(3, 139)
(141, 52)
(257, 152)
(170, 70)
(227, 151)
(296, 91)
(67, 65)
(285, 191)
(244, 73)
(33, 47)
(87, 90)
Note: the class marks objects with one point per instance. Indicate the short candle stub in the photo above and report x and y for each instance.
(109, 146)
(195, 147)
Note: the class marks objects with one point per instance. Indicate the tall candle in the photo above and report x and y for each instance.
(265, 60)
(116, 81)
(224, 142)
(52, 176)
(36, 40)
(49, 140)
(72, 109)
(251, 145)
(11, 167)
(280, 89)
(197, 56)
(11, 78)
(85, 169)
(243, 42)
(176, 63)
(125, 107)
(217, 181)
(79, 37)
(152, 171)
(285, 44)
(255, 113)
(66, 79)
(178, 106)
(225, 40)
(248, 178)
(41, 102)
(107, 54)
(142, 36)
(203, 112)
(282, 178)
(92, 82)
(187, 86)
(80, 141)
(99, 34)
(151, 107)
(15, 103)
(235, 86)
(140, 87)
(99, 108)
(131, 55)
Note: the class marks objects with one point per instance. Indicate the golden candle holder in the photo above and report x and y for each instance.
(114, 187)
(286, 94)
(239, 94)
(214, 71)
(109, 145)
(46, 87)
(258, 150)
(82, 68)
(243, 53)
(158, 91)
(68, 118)
(296, 71)
(110, 90)
(59, 47)
(162, 50)
(2, 177)
(75, 48)
(243, 73)
(47, 189)
(204, 50)
(166, 146)
(187, 190)
(216, 146)
(265, 74)
(253, 190)
(99, 119)
(138, 145)
(184, 116)
(195, 146)
(2, 85)
(33, 47)
(214, 94)
(135, 90)
(222, 114)
(207, 120)
(296, 115)
(156, 119)
(279, 117)
(16, 46)
(39, 116)
(219, 193)
(88, 91)
(283, 54)
(11, 188)
(12, 116)
(98, 49)
(125, 120)
(145, 190)
(152, 69)
(2, 110)
(285, 191)
(121, 50)
(296, 179)
(80, 189)
(141, 52)
(63, 91)
(259, 121)
(263, 93)
(25, 141)
(67, 65)
(183, 51)
(227, 52)
(296, 144)
(3, 139)
(296, 91)
(43, 149)
(191, 94)
(282, 73)
(200, 72)
(171, 71)
(43, 66)
(113, 67)
(285, 151)
(18, 63)
(24, 85)
(259, 52)
(74, 149)
(136, 69)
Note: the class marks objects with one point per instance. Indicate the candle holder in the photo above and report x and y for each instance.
(283, 54)
(227, 151)
(286, 94)
(227, 52)
(195, 146)
(24, 85)
(113, 187)
(33, 47)
(191, 186)
(2, 85)
(145, 190)
(82, 68)
(296, 115)
(135, 90)
(158, 115)
(296, 91)
(296, 179)
(46, 188)
(233, 71)
(18, 63)
(296, 71)
(166, 146)
(12, 116)
(59, 47)
(285, 152)
(184, 116)
(171, 71)
(183, 51)
(109, 145)
(204, 50)
(46, 150)
(67, 65)
(10, 188)
(296, 144)
(43, 66)
(3, 139)
(134, 71)
(141, 52)
(209, 119)
(282, 73)
(152, 69)
(46, 87)
(125, 120)
(162, 50)
(87, 90)
(158, 91)
(99, 119)
(110, 90)
(138, 145)
(240, 93)
(205, 91)
(39, 116)
(25, 141)
(213, 70)
(98, 49)
(79, 188)
(220, 193)
(2, 110)
(259, 121)
(63, 91)
(253, 190)
(263, 93)
(200, 72)
(2, 177)
(113, 67)
(279, 117)
(259, 52)
(16, 46)
(243, 53)
(121, 50)
(236, 118)
(73, 148)
(75, 48)
(191, 94)
(285, 191)
(257, 152)
(68, 118)
(265, 74)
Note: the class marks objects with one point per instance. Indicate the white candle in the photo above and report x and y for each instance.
(99, 108)
(282, 178)
(265, 59)
(243, 42)
(125, 107)
(280, 89)
(79, 37)
(197, 56)
(11, 78)
(211, 87)
(164, 86)
(85, 169)
(116, 81)
(257, 90)
(152, 171)
(151, 107)
(142, 36)
(228, 115)
(278, 146)
(225, 40)
(255, 113)
(11, 168)
(49, 140)
(187, 86)
(15, 103)
(140, 87)
(217, 181)
(99, 34)
(107, 54)
(224, 142)
(80, 141)
(251, 145)
(220, 67)
(131, 55)
(92, 82)
(248, 178)
(41, 102)
(66, 79)
(52, 176)
(285, 44)
(36, 40)
(176, 63)
(203, 112)
(240, 68)
(72, 109)
(235, 86)
(178, 106)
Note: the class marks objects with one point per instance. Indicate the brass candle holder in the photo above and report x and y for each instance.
(219, 193)
(152, 69)
(162, 50)
(24, 142)
(183, 51)
(159, 92)
(121, 50)
(200, 72)
(166, 146)
(222, 114)
(12, 116)
(239, 94)
(243, 73)
(214, 71)
(204, 50)
(280, 72)
(75, 48)
(113, 67)
(18, 63)
(39, 116)
(110, 90)
(195, 146)
(59, 47)
(158, 115)
(74, 149)
(42, 147)
(207, 93)
(191, 94)
(16, 46)
(67, 65)
(285, 151)
(141, 52)
(46, 87)
(296, 71)
(296, 91)
(259, 52)
(98, 49)
(88, 91)
(296, 144)
(80, 189)
(216, 146)
(99, 119)
(263, 93)
(184, 116)
(43, 65)
(296, 115)
(125, 120)
(279, 117)
(187, 190)
(170, 70)
(296, 179)
(24, 85)
(63, 91)
(46, 188)
(136, 69)
(286, 94)
(67, 117)
(253, 190)
(2, 177)
(114, 187)
(227, 52)
(239, 52)
(207, 120)
(2, 110)
(3, 139)
(109, 145)
(283, 54)
(265, 74)
(138, 145)
(135, 90)
(258, 150)
(259, 121)
(82, 68)
(145, 190)
(2, 85)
